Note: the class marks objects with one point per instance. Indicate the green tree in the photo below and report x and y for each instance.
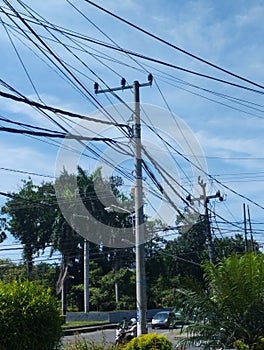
(91, 187)
(185, 254)
(98, 294)
(156, 271)
(35, 219)
(30, 217)
(227, 246)
(9, 271)
(232, 304)
(46, 275)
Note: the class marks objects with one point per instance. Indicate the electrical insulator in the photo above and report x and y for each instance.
(188, 198)
(96, 87)
(218, 194)
(123, 82)
(150, 78)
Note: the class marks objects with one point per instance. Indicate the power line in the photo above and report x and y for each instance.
(131, 53)
(6, 120)
(26, 172)
(57, 135)
(170, 65)
(54, 109)
(173, 46)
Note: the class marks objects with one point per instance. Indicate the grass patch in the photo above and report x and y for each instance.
(83, 323)
(87, 344)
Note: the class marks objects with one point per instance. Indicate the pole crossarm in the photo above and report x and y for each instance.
(122, 87)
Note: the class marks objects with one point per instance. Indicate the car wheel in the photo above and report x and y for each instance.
(197, 343)
(219, 346)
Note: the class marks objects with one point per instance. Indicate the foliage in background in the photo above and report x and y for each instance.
(29, 317)
(30, 218)
(33, 217)
(232, 306)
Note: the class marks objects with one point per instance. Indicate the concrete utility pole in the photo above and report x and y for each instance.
(251, 232)
(245, 227)
(110, 209)
(86, 251)
(86, 268)
(249, 244)
(206, 200)
(139, 213)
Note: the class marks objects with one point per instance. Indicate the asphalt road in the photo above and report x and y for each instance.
(108, 335)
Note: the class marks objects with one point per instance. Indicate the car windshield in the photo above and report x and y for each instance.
(161, 315)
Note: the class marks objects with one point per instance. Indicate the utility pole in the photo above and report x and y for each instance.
(245, 227)
(251, 232)
(110, 209)
(139, 212)
(249, 247)
(206, 200)
(86, 251)
(86, 268)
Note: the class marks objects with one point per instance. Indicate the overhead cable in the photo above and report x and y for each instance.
(55, 110)
(56, 135)
(173, 46)
(26, 172)
(131, 53)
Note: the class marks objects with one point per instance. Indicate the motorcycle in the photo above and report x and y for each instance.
(120, 335)
(126, 330)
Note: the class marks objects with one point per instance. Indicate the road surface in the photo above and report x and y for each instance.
(107, 336)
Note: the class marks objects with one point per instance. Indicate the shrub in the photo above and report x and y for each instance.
(29, 317)
(241, 345)
(259, 344)
(149, 341)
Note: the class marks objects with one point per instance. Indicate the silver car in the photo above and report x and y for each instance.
(163, 319)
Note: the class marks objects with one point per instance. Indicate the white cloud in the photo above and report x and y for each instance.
(227, 33)
(252, 15)
(231, 146)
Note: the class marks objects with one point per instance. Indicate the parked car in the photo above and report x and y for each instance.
(165, 319)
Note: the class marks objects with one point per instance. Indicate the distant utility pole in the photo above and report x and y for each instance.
(86, 269)
(86, 251)
(251, 232)
(206, 200)
(245, 227)
(139, 213)
(248, 247)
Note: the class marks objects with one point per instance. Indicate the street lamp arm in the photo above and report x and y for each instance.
(112, 208)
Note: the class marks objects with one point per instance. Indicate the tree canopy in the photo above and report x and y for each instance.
(34, 218)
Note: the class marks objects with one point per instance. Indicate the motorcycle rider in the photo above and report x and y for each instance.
(132, 330)
(123, 324)
(126, 330)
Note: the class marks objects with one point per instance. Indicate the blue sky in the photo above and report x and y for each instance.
(226, 121)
